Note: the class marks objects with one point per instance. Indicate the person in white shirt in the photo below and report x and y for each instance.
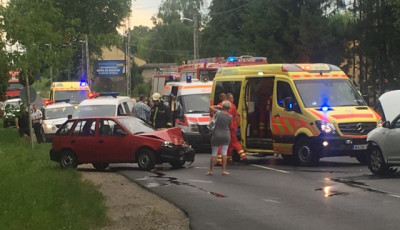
(36, 117)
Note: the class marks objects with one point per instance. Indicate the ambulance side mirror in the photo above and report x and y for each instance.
(290, 104)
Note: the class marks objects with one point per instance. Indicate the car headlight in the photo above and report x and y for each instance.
(193, 128)
(167, 144)
(326, 127)
(50, 126)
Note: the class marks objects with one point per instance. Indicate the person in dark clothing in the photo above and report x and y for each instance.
(23, 124)
(160, 114)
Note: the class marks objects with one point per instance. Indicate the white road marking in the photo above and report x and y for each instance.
(201, 167)
(271, 201)
(268, 168)
(201, 181)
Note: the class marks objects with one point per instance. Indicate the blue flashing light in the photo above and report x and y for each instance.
(290, 106)
(83, 83)
(325, 108)
(280, 102)
(232, 59)
(188, 79)
(170, 78)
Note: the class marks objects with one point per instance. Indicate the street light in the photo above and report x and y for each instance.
(195, 36)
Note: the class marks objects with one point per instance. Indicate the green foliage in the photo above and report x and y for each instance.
(51, 32)
(37, 194)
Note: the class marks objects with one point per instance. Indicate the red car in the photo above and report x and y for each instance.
(104, 140)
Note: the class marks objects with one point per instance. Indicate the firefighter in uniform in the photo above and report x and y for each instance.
(160, 116)
(234, 144)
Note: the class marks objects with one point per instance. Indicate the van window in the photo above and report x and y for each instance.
(120, 111)
(227, 87)
(126, 107)
(283, 91)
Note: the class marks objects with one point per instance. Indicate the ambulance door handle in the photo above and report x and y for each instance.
(277, 115)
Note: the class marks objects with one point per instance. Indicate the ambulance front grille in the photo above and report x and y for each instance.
(357, 128)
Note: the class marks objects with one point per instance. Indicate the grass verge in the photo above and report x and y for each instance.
(37, 194)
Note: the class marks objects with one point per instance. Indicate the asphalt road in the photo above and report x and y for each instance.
(267, 193)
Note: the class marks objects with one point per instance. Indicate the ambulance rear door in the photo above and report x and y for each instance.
(255, 115)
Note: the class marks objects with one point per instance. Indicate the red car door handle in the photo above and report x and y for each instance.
(73, 141)
(101, 141)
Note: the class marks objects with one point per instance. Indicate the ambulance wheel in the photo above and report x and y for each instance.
(305, 154)
(146, 159)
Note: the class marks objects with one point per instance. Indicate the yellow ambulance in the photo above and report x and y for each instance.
(74, 91)
(302, 111)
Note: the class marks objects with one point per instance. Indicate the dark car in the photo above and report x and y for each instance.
(104, 140)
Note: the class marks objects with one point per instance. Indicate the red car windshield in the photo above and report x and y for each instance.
(135, 125)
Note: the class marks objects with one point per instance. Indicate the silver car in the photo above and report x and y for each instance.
(384, 142)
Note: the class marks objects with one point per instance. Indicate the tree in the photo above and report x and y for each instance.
(51, 32)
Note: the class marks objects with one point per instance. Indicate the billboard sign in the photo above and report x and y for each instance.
(109, 68)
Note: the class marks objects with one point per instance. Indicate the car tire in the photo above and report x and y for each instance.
(100, 166)
(376, 163)
(305, 154)
(146, 159)
(68, 159)
(177, 164)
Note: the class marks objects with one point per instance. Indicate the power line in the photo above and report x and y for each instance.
(231, 10)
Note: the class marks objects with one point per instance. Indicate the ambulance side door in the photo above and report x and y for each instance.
(283, 123)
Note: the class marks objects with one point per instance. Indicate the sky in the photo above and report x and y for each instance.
(143, 10)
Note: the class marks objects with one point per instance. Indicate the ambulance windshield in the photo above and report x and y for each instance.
(74, 96)
(196, 103)
(328, 92)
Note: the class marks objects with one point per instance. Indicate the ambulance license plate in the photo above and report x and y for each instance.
(360, 147)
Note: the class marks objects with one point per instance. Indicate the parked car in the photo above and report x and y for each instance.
(1, 108)
(383, 142)
(55, 113)
(11, 108)
(124, 139)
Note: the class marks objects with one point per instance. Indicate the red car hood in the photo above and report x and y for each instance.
(173, 135)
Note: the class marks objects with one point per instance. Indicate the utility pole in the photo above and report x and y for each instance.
(87, 61)
(28, 95)
(195, 37)
(128, 64)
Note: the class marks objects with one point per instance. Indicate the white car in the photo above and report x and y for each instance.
(104, 104)
(384, 142)
(54, 115)
(11, 107)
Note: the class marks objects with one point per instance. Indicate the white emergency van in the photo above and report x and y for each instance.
(189, 102)
(104, 104)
